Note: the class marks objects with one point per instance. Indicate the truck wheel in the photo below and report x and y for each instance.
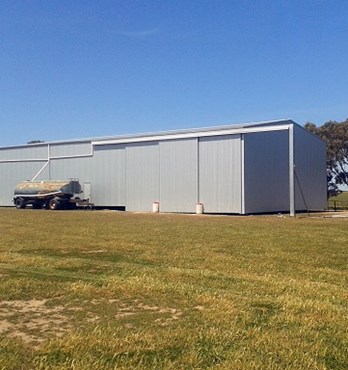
(20, 203)
(54, 204)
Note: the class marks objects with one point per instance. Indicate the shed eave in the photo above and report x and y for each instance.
(123, 138)
(192, 134)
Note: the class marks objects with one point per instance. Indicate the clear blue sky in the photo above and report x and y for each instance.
(72, 69)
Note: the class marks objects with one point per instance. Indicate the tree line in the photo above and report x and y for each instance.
(335, 135)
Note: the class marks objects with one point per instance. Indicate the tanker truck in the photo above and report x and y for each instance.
(49, 194)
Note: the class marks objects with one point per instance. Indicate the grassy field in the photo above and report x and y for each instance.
(104, 290)
(339, 202)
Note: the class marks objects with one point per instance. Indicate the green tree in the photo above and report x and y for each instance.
(335, 135)
(35, 141)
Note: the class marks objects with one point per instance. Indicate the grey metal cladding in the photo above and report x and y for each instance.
(236, 170)
(109, 175)
(178, 175)
(25, 153)
(142, 176)
(220, 174)
(61, 150)
(266, 171)
(61, 169)
(310, 171)
(12, 173)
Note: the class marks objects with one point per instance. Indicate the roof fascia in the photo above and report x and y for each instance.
(123, 138)
(191, 134)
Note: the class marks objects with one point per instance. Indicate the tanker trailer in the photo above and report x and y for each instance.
(51, 194)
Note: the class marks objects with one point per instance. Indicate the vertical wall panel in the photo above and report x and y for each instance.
(12, 173)
(220, 174)
(27, 152)
(178, 175)
(80, 168)
(266, 171)
(109, 175)
(58, 150)
(142, 176)
(181, 172)
(310, 171)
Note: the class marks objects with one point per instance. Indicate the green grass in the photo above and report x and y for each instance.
(105, 290)
(339, 202)
(342, 196)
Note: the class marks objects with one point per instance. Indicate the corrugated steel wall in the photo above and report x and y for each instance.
(108, 178)
(71, 149)
(78, 167)
(66, 168)
(220, 174)
(266, 171)
(12, 173)
(27, 153)
(310, 171)
(246, 173)
(142, 176)
(178, 175)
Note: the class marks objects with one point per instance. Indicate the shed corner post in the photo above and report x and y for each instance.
(291, 172)
(49, 160)
(242, 169)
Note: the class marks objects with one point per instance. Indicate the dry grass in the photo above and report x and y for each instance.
(104, 290)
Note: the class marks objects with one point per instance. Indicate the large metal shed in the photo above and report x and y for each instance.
(274, 166)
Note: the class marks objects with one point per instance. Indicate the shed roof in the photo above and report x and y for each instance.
(165, 135)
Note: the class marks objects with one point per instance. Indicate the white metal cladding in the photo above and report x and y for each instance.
(266, 171)
(24, 154)
(66, 168)
(178, 175)
(197, 133)
(109, 175)
(12, 173)
(71, 149)
(142, 176)
(220, 174)
(310, 171)
(184, 164)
